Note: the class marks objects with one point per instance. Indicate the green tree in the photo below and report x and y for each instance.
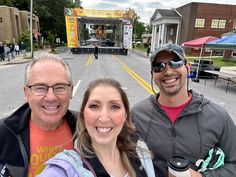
(51, 16)
(77, 3)
(50, 37)
(138, 28)
(22, 4)
(25, 37)
(7, 3)
(148, 28)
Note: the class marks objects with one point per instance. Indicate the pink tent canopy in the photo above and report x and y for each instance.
(199, 43)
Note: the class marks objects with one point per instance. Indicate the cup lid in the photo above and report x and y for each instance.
(178, 163)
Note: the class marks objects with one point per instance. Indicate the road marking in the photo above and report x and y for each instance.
(136, 77)
(75, 88)
(90, 60)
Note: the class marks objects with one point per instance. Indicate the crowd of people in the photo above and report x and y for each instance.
(10, 51)
(104, 138)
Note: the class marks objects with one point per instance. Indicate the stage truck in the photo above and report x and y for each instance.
(111, 30)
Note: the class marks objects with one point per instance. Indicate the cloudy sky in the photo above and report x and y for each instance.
(144, 8)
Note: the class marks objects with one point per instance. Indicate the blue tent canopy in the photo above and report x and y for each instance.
(228, 42)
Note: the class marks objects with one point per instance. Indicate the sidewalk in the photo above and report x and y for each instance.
(141, 53)
(21, 59)
(16, 60)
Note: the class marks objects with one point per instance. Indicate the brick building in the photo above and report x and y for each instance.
(191, 21)
(13, 22)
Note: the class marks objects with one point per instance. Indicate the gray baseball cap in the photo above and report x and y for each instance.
(178, 50)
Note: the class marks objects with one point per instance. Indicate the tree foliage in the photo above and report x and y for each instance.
(148, 28)
(51, 16)
(25, 37)
(138, 28)
(50, 37)
(6, 2)
(20, 4)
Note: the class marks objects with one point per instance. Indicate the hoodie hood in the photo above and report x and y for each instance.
(195, 105)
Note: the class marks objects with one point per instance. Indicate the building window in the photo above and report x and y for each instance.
(199, 23)
(234, 25)
(171, 31)
(0, 19)
(222, 24)
(216, 23)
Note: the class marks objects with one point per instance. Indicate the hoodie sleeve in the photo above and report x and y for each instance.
(227, 142)
(57, 168)
(53, 171)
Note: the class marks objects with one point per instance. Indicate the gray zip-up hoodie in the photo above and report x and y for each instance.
(201, 126)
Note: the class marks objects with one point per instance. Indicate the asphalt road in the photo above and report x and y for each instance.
(132, 71)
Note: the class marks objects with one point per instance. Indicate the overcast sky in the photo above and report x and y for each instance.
(144, 8)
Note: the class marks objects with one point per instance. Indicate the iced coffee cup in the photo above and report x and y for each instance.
(178, 166)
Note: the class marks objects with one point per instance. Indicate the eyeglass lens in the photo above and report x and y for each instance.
(174, 64)
(40, 90)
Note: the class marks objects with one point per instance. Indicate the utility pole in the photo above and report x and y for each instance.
(31, 30)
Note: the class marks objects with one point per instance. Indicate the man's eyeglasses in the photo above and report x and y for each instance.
(42, 90)
(175, 63)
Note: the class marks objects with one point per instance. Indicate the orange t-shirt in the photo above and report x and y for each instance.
(45, 144)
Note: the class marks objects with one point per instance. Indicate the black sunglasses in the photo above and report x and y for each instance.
(175, 63)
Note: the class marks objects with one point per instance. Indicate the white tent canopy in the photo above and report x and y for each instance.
(92, 40)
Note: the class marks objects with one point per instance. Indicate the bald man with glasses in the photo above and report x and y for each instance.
(43, 126)
(179, 121)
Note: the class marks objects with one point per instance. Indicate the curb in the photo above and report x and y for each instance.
(21, 59)
(141, 53)
(17, 61)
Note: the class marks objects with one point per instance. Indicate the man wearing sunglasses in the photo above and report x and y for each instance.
(43, 126)
(178, 121)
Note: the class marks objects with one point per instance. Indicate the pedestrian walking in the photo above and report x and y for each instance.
(2, 52)
(23, 48)
(17, 49)
(12, 49)
(8, 52)
(148, 50)
(96, 51)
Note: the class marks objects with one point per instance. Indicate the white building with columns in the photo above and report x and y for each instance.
(166, 25)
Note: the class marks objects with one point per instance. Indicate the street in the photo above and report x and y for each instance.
(132, 71)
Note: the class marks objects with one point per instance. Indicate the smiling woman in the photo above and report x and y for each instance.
(105, 134)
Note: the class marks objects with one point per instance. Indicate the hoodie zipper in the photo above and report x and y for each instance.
(173, 139)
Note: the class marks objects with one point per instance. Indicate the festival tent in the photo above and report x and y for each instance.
(228, 42)
(199, 43)
(92, 40)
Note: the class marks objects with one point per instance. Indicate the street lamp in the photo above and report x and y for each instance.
(31, 30)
